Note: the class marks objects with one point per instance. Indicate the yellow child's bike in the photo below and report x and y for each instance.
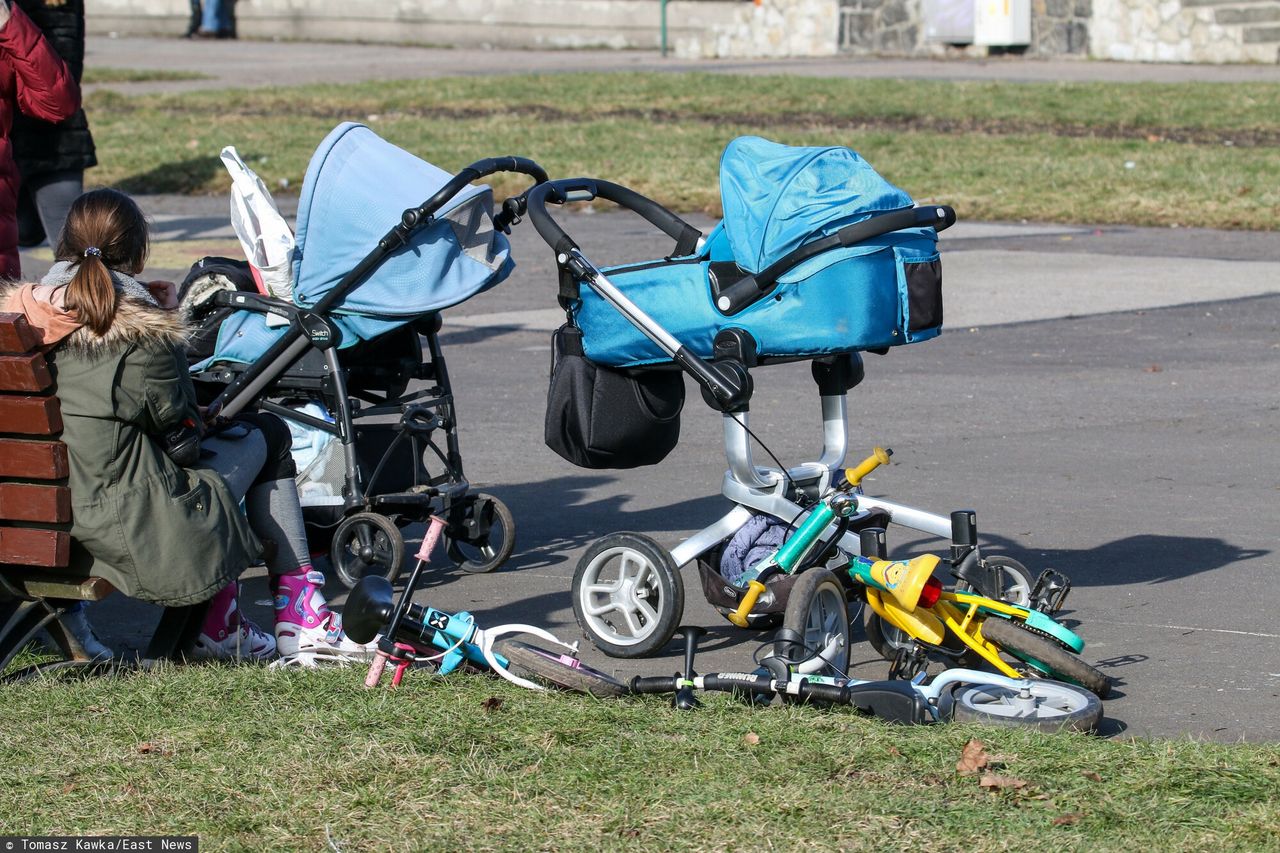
(910, 617)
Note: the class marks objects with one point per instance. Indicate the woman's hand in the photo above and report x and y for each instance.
(4, 13)
(164, 292)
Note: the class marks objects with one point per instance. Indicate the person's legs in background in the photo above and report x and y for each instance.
(43, 203)
(193, 24)
(217, 20)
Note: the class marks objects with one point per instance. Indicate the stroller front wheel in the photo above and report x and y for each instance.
(627, 595)
(487, 539)
(366, 544)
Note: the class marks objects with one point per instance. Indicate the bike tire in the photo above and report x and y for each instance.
(1027, 645)
(1058, 707)
(559, 670)
(818, 612)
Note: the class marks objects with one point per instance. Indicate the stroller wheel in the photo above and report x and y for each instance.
(366, 544)
(485, 539)
(627, 595)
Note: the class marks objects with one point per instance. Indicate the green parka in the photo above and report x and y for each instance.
(156, 531)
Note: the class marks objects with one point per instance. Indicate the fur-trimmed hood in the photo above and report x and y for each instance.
(137, 323)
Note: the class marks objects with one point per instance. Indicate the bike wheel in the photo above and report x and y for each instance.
(1049, 706)
(885, 638)
(817, 611)
(627, 595)
(1043, 654)
(488, 550)
(1015, 586)
(559, 670)
(366, 543)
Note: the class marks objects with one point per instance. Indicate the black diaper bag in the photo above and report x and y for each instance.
(601, 417)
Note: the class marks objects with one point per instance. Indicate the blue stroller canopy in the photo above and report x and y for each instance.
(778, 197)
(356, 187)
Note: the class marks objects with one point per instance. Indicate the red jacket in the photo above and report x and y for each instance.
(35, 81)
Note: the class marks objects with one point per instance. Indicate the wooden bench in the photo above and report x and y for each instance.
(36, 585)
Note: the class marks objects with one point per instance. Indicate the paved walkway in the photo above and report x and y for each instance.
(235, 64)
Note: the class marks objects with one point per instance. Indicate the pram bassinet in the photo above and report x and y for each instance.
(349, 340)
(778, 200)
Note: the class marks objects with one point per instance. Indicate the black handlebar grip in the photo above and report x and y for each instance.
(738, 295)
(653, 684)
(824, 693)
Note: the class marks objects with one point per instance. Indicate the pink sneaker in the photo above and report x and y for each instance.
(227, 635)
(305, 624)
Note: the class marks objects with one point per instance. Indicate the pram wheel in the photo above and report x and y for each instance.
(366, 544)
(818, 612)
(485, 539)
(627, 595)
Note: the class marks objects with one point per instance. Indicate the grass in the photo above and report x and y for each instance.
(98, 74)
(1151, 154)
(250, 759)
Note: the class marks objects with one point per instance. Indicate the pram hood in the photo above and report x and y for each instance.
(356, 186)
(778, 197)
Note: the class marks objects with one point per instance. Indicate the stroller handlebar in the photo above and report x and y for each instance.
(587, 189)
(748, 290)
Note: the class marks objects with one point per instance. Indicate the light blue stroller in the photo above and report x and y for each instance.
(818, 258)
(374, 267)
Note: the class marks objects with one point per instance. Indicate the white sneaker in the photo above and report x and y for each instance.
(77, 624)
(246, 641)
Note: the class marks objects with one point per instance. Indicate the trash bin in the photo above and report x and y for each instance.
(1002, 23)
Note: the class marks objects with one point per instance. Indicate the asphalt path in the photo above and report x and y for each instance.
(1105, 398)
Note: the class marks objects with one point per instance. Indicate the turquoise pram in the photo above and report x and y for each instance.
(375, 265)
(818, 258)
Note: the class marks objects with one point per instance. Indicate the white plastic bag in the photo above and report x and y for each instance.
(264, 235)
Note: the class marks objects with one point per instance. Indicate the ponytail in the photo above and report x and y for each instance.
(91, 294)
(105, 231)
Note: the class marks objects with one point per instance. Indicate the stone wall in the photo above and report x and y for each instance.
(772, 28)
(897, 27)
(459, 23)
(1186, 30)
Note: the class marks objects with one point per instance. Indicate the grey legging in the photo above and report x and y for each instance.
(240, 455)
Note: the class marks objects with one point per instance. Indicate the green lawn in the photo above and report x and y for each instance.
(1155, 154)
(252, 759)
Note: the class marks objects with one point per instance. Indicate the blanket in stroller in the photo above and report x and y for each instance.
(356, 186)
(883, 292)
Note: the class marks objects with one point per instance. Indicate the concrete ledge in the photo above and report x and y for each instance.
(461, 23)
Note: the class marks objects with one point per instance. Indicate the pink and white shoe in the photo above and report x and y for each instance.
(306, 626)
(227, 635)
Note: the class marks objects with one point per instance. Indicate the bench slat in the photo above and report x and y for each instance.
(33, 460)
(16, 334)
(29, 502)
(38, 583)
(30, 415)
(32, 547)
(24, 372)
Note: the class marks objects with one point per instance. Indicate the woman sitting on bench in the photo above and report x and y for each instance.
(155, 505)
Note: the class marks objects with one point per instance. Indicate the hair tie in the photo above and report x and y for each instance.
(93, 251)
